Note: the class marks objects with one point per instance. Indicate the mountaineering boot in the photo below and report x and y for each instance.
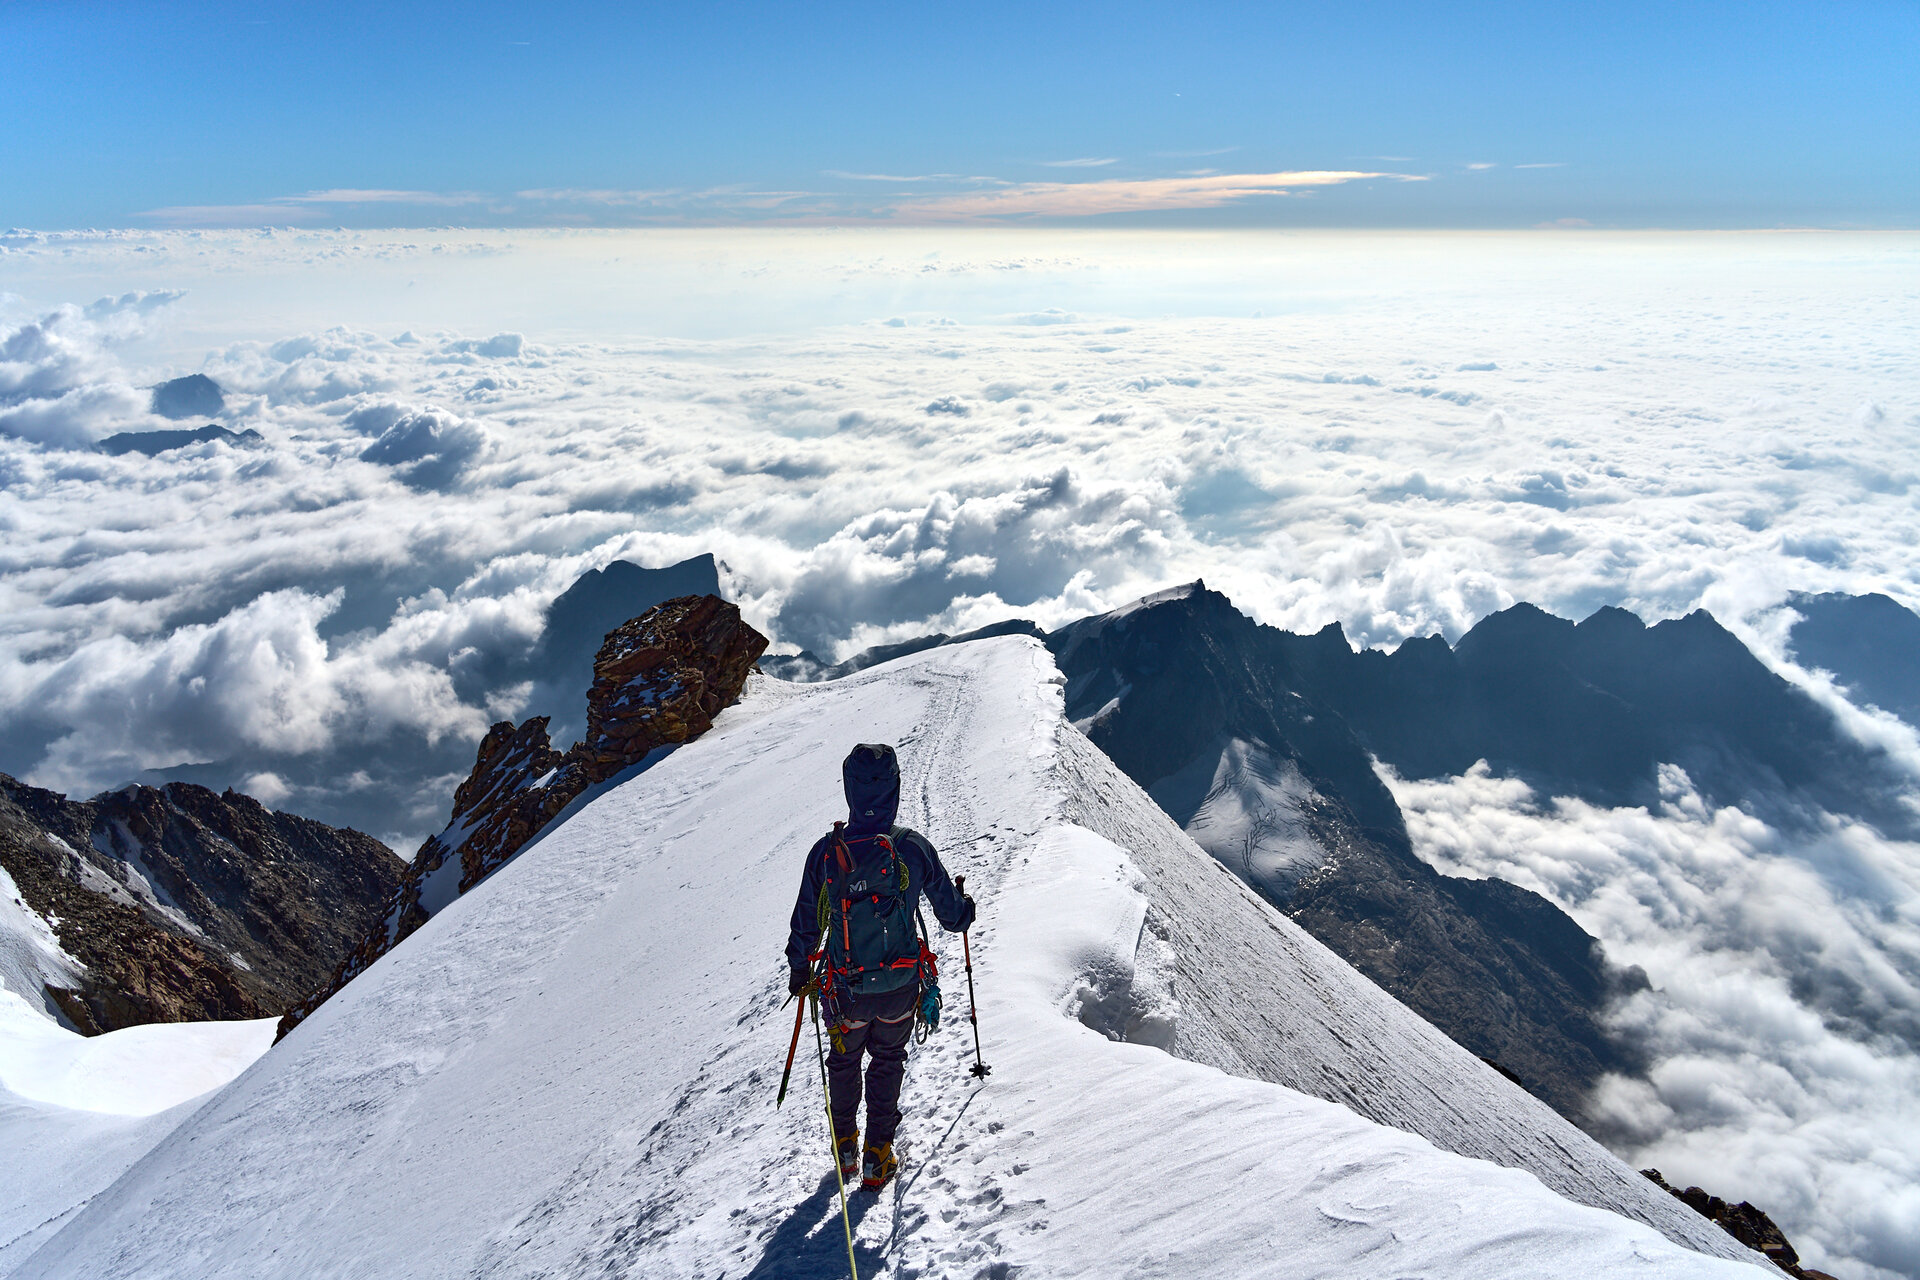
(878, 1168)
(847, 1150)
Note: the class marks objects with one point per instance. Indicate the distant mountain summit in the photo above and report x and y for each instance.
(194, 396)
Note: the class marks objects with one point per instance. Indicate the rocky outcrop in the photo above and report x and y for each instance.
(182, 904)
(658, 681)
(1744, 1223)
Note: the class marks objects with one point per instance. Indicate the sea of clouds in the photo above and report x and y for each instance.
(883, 434)
(1783, 1019)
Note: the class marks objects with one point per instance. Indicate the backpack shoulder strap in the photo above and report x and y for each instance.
(836, 851)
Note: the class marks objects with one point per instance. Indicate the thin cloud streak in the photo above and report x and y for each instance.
(1128, 195)
(309, 206)
(979, 197)
(921, 177)
(379, 195)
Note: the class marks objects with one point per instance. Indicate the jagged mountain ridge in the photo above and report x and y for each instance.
(1592, 709)
(185, 905)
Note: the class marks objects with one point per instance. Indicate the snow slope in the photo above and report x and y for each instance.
(76, 1112)
(570, 1070)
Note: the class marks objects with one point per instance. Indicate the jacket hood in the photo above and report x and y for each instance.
(872, 778)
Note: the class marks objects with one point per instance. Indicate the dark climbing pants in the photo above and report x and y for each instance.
(886, 1026)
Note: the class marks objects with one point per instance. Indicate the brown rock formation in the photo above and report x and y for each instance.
(1744, 1223)
(184, 905)
(658, 681)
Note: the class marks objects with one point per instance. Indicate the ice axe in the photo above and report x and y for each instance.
(979, 1070)
(799, 1014)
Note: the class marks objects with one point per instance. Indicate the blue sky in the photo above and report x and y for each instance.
(348, 113)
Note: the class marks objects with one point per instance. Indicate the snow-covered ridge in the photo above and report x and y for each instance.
(570, 1070)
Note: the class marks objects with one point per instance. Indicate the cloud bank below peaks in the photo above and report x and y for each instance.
(1783, 1022)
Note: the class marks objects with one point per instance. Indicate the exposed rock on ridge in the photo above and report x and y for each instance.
(1744, 1223)
(658, 681)
(184, 904)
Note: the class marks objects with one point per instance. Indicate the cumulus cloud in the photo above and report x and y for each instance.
(59, 381)
(261, 677)
(1783, 1021)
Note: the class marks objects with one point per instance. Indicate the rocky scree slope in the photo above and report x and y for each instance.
(182, 905)
(658, 681)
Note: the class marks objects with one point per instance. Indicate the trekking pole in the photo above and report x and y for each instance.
(833, 1139)
(979, 1070)
(799, 1012)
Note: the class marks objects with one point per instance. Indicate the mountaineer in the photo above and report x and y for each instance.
(872, 970)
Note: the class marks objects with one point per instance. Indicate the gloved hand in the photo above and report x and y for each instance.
(966, 905)
(797, 980)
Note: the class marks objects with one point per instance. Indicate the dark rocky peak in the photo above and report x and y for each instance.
(1153, 684)
(185, 904)
(1611, 624)
(153, 443)
(658, 681)
(1523, 635)
(1138, 627)
(194, 396)
(1870, 643)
